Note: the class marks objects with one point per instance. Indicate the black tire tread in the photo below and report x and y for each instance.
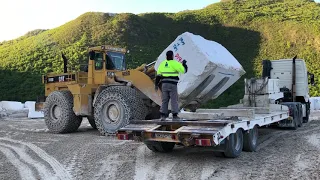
(68, 122)
(136, 104)
(163, 147)
(230, 152)
(92, 122)
(103, 97)
(247, 142)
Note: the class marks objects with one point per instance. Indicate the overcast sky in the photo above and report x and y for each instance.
(20, 16)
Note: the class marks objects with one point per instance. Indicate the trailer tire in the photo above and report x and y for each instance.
(250, 140)
(92, 122)
(111, 112)
(234, 144)
(58, 113)
(218, 154)
(163, 147)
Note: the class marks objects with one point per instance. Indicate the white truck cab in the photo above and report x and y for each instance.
(293, 80)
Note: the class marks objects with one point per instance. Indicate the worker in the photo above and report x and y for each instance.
(168, 76)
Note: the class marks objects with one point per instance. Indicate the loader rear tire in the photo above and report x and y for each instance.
(92, 122)
(111, 111)
(58, 113)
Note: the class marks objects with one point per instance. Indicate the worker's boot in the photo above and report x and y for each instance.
(175, 117)
(163, 117)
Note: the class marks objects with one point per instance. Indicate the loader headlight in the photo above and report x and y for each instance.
(111, 74)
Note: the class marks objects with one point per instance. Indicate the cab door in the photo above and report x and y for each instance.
(99, 68)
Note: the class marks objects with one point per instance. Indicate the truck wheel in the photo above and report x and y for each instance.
(250, 140)
(92, 122)
(58, 113)
(296, 123)
(111, 112)
(160, 146)
(306, 119)
(234, 144)
(300, 118)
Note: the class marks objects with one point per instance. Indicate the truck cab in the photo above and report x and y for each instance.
(294, 79)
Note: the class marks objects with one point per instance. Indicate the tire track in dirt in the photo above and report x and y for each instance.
(272, 138)
(42, 170)
(58, 168)
(24, 171)
(109, 167)
(150, 165)
(143, 167)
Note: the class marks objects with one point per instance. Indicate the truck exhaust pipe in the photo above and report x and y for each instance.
(293, 89)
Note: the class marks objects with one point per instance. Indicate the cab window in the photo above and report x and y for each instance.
(115, 61)
(98, 61)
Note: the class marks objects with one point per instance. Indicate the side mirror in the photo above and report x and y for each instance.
(311, 79)
(92, 55)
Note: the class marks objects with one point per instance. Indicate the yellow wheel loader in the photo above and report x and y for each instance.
(105, 92)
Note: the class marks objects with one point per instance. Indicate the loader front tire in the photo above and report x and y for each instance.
(138, 109)
(58, 113)
(111, 112)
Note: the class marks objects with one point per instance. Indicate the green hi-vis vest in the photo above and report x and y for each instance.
(170, 68)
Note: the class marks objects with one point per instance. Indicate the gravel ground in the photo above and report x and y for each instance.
(29, 151)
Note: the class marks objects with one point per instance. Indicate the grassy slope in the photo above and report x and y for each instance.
(251, 30)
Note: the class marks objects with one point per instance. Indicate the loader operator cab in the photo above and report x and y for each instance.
(108, 58)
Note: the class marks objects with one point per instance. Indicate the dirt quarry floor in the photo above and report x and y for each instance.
(29, 151)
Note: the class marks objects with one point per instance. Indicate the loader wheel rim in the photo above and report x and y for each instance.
(55, 113)
(237, 142)
(112, 112)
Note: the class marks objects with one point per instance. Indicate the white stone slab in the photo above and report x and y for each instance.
(205, 59)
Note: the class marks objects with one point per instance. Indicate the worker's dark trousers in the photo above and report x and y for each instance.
(169, 91)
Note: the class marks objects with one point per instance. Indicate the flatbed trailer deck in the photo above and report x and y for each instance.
(228, 131)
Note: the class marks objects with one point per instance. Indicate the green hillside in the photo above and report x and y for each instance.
(251, 30)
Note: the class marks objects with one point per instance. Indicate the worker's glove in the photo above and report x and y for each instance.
(184, 64)
(156, 88)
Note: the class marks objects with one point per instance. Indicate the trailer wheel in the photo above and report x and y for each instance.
(58, 113)
(111, 112)
(250, 140)
(218, 154)
(234, 144)
(160, 146)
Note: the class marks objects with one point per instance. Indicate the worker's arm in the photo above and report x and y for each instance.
(158, 78)
(180, 68)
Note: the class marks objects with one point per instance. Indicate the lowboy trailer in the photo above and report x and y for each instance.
(280, 97)
(228, 131)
